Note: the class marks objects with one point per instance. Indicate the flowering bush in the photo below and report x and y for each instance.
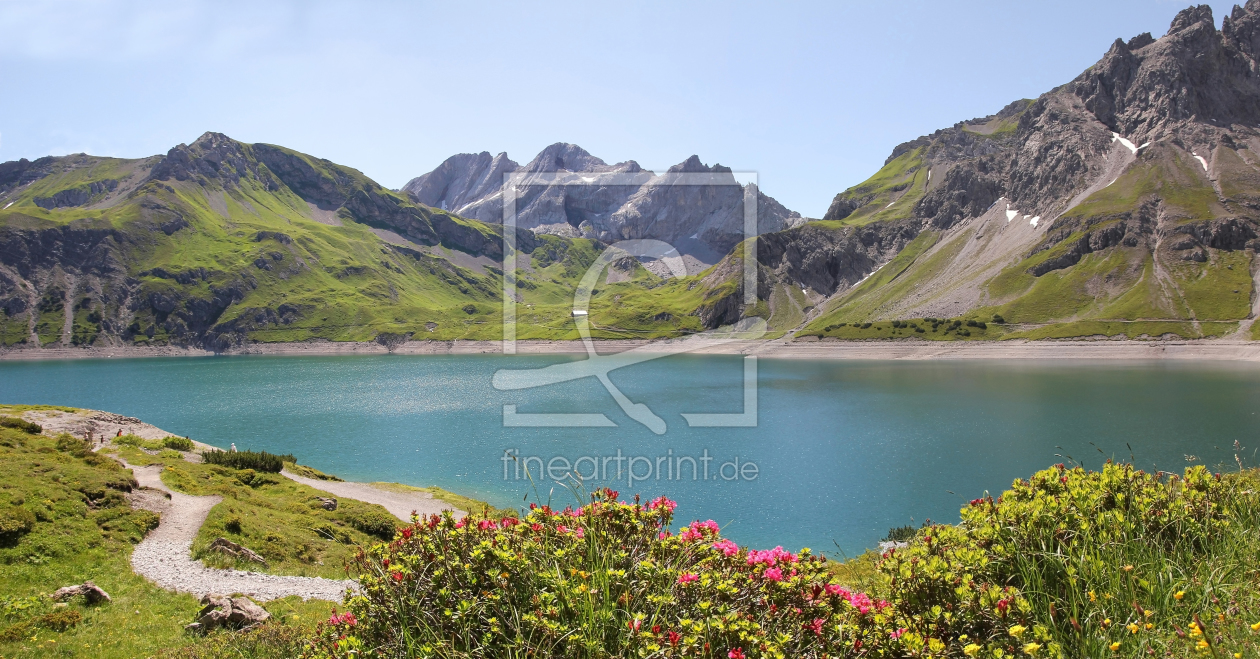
(605, 580)
(1067, 563)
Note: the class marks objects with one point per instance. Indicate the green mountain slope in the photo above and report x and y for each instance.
(221, 243)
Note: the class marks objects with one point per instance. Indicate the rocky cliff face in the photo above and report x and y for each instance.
(569, 192)
(1146, 161)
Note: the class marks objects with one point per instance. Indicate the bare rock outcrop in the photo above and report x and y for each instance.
(230, 612)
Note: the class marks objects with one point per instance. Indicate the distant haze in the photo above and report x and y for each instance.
(813, 96)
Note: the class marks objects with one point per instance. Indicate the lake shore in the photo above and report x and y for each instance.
(827, 349)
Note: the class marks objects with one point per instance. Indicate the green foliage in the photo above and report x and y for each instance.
(178, 443)
(15, 521)
(603, 581)
(901, 534)
(260, 461)
(374, 523)
(309, 472)
(25, 426)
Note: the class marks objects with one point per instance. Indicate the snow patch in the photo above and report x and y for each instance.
(1200, 159)
(7, 205)
(1034, 221)
(1010, 214)
(1127, 144)
(929, 176)
(890, 204)
(1112, 181)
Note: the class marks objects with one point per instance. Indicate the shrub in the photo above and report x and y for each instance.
(901, 534)
(604, 581)
(178, 443)
(73, 445)
(232, 524)
(15, 521)
(61, 620)
(866, 325)
(998, 319)
(170, 454)
(261, 461)
(19, 424)
(374, 523)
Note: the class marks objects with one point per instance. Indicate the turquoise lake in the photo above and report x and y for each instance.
(842, 450)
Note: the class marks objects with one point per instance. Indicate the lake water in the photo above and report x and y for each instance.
(842, 450)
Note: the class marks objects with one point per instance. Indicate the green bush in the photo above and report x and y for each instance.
(178, 443)
(232, 524)
(19, 424)
(1068, 563)
(15, 521)
(73, 445)
(901, 534)
(374, 522)
(261, 461)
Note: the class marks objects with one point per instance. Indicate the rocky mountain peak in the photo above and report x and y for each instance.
(1192, 16)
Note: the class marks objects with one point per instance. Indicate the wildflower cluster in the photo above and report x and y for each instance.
(607, 579)
(1067, 563)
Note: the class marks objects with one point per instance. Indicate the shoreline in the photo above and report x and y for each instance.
(827, 349)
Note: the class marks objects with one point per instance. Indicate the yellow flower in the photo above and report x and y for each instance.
(1017, 631)
(1094, 598)
(972, 650)
(1256, 627)
(1202, 644)
(1149, 626)
(1133, 628)
(1127, 568)
(1030, 649)
(1115, 646)
(1106, 622)
(1181, 594)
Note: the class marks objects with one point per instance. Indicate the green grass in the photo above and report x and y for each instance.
(84, 530)
(459, 501)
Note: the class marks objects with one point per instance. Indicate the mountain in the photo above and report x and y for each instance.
(1125, 202)
(615, 202)
(219, 244)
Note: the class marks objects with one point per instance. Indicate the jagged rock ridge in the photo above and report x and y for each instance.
(612, 202)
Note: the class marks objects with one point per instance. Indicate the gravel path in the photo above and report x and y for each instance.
(165, 556)
(399, 504)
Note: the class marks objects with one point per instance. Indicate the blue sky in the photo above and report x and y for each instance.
(812, 96)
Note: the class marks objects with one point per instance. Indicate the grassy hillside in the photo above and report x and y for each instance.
(1161, 250)
(221, 243)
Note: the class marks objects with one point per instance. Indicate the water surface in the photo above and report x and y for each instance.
(843, 450)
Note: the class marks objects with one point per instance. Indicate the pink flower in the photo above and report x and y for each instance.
(687, 577)
(898, 633)
(662, 502)
(816, 626)
(487, 524)
(634, 625)
(837, 589)
(727, 547)
(459, 524)
(770, 557)
(346, 618)
(662, 535)
(562, 528)
(774, 574)
(737, 653)
(579, 533)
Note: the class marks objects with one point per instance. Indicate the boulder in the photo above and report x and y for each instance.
(231, 612)
(225, 546)
(329, 503)
(90, 591)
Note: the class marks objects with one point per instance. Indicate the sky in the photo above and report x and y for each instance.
(812, 96)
